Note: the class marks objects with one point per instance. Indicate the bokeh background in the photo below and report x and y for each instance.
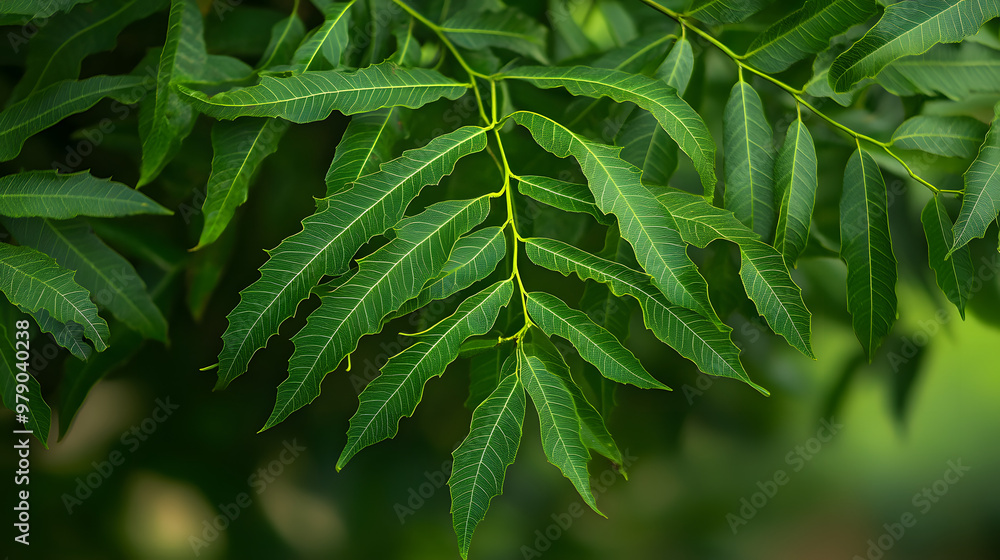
(927, 402)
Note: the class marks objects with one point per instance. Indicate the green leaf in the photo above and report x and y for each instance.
(408, 49)
(700, 223)
(944, 136)
(718, 12)
(749, 161)
(763, 271)
(330, 238)
(559, 423)
(644, 142)
(384, 281)
(909, 28)
(956, 71)
(593, 432)
(474, 257)
(569, 197)
(367, 142)
(595, 344)
(796, 178)
(168, 120)
(54, 103)
(34, 281)
(770, 287)
(617, 190)
(398, 390)
(329, 39)
(482, 459)
(38, 8)
(58, 49)
(115, 284)
(313, 96)
(690, 334)
(285, 38)
(48, 194)
(508, 29)
(981, 201)
(39, 415)
(866, 247)
(239, 148)
(70, 336)
(676, 117)
(805, 31)
(954, 273)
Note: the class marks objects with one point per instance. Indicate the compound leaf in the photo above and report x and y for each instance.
(617, 190)
(330, 238)
(384, 281)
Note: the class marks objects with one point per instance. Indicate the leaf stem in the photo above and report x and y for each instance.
(795, 93)
(437, 29)
(515, 272)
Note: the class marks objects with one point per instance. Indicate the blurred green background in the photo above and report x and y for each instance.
(929, 400)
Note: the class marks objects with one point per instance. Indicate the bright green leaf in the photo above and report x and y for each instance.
(482, 459)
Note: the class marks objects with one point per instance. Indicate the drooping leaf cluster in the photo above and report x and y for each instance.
(581, 112)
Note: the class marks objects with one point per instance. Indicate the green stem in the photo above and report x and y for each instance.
(451, 47)
(795, 93)
(515, 273)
